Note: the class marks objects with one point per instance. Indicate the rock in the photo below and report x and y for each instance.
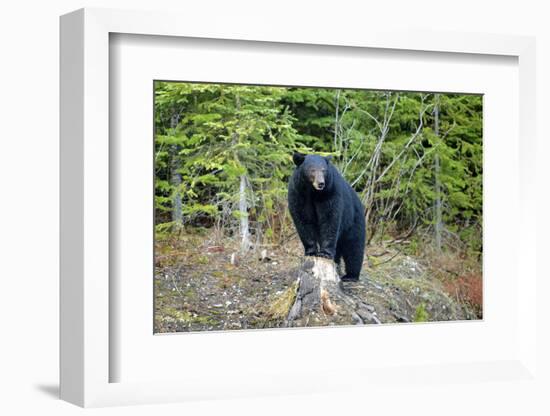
(400, 318)
(368, 307)
(356, 319)
(263, 256)
(367, 317)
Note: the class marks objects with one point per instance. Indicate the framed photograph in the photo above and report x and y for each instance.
(252, 214)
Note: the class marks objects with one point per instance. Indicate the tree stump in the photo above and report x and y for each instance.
(320, 299)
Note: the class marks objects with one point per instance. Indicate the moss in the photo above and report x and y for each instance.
(186, 317)
(374, 261)
(280, 306)
(420, 314)
(202, 259)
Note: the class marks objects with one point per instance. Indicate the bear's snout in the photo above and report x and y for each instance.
(319, 181)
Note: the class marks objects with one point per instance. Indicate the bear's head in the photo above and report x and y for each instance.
(315, 169)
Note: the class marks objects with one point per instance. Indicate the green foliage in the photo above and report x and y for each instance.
(384, 143)
(223, 132)
(421, 314)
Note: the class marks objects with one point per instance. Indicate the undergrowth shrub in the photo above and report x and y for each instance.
(467, 289)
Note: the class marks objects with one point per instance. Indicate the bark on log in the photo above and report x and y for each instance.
(316, 276)
(321, 300)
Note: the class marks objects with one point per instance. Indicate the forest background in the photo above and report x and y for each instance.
(223, 156)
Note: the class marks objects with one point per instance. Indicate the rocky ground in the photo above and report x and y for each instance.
(202, 285)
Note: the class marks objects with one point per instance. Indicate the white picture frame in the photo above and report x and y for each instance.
(86, 356)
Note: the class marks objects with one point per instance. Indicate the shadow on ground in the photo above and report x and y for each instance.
(51, 390)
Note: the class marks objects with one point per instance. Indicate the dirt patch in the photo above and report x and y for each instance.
(202, 285)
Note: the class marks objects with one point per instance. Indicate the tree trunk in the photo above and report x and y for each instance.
(438, 226)
(321, 300)
(177, 216)
(243, 208)
(244, 229)
(175, 177)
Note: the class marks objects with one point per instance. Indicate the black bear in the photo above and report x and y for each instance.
(327, 213)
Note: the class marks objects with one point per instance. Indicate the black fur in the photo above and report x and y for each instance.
(327, 213)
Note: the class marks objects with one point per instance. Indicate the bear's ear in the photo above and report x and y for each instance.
(328, 158)
(298, 158)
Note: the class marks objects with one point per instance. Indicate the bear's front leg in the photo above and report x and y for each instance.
(303, 215)
(308, 235)
(329, 226)
(327, 244)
